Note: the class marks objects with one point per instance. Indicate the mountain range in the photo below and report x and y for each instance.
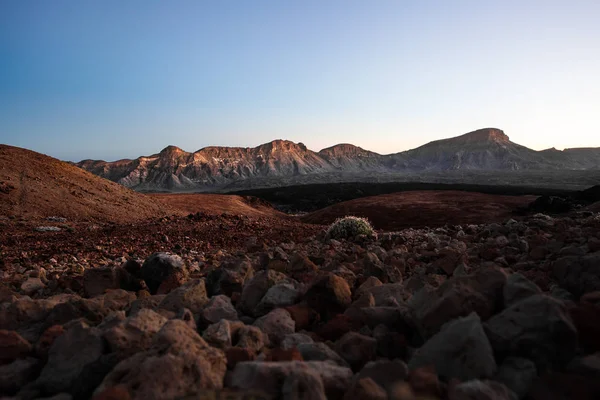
(488, 149)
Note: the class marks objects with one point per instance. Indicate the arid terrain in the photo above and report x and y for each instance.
(107, 293)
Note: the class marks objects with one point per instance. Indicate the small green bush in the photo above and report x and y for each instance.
(349, 227)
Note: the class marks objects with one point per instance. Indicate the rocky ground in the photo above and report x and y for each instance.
(269, 309)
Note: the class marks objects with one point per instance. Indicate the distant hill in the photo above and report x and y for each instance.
(33, 185)
(488, 149)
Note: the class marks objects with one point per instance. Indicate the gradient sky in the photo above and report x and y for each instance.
(115, 79)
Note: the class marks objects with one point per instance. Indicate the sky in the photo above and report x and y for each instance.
(119, 79)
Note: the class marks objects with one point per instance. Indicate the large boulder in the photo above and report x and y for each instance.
(179, 363)
(538, 328)
(164, 269)
(459, 350)
(480, 292)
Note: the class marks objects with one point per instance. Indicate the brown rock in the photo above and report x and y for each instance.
(118, 392)
(96, 281)
(329, 296)
(237, 354)
(280, 355)
(337, 327)
(586, 318)
(12, 346)
(47, 339)
(303, 315)
(425, 382)
(356, 349)
(365, 389)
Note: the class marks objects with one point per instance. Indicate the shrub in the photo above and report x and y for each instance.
(349, 227)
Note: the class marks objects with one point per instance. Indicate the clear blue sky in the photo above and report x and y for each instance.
(113, 79)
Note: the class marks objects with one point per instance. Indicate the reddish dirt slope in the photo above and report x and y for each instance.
(423, 208)
(33, 186)
(215, 204)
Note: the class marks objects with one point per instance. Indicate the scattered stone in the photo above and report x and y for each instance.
(179, 363)
(219, 308)
(191, 295)
(280, 295)
(47, 229)
(321, 352)
(293, 340)
(32, 286)
(329, 296)
(365, 389)
(163, 269)
(538, 328)
(276, 324)
(304, 384)
(71, 352)
(256, 289)
(12, 347)
(481, 390)
(518, 288)
(96, 281)
(579, 275)
(356, 349)
(518, 374)
(460, 350)
(15, 375)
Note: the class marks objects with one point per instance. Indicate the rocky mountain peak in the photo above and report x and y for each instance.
(171, 150)
(484, 135)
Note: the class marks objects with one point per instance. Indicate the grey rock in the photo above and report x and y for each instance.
(218, 308)
(276, 325)
(538, 328)
(15, 375)
(460, 350)
(385, 373)
(293, 340)
(192, 296)
(481, 390)
(70, 353)
(304, 384)
(256, 288)
(480, 292)
(280, 295)
(578, 275)
(518, 374)
(321, 352)
(220, 334)
(269, 377)
(518, 288)
(356, 349)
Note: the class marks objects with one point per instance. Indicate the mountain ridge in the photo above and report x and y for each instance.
(483, 149)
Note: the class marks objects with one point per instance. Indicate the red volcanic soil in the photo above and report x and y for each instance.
(397, 211)
(215, 204)
(35, 186)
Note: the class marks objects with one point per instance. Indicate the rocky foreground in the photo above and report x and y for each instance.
(493, 311)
